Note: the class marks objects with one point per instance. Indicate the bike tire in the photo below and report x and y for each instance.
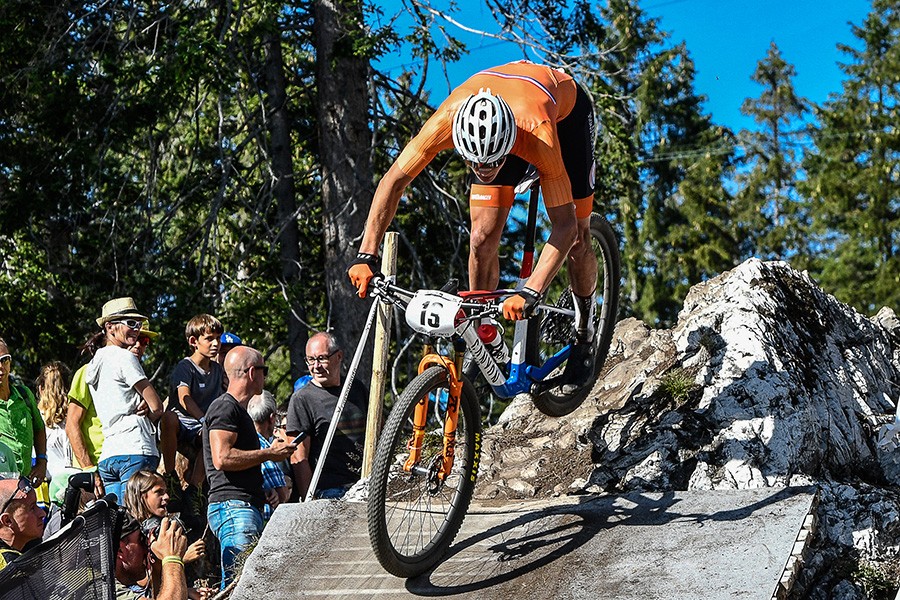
(411, 526)
(557, 330)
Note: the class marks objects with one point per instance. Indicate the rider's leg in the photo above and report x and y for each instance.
(489, 207)
(582, 263)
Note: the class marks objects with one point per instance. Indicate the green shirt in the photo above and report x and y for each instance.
(19, 420)
(91, 428)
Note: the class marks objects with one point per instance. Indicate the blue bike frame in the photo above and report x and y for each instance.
(521, 374)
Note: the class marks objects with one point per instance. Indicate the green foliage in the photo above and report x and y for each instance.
(852, 188)
(877, 579)
(771, 216)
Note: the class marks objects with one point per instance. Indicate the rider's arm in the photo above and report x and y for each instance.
(562, 238)
(384, 207)
(563, 234)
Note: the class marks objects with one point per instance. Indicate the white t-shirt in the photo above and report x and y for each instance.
(111, 376)
(59, 450)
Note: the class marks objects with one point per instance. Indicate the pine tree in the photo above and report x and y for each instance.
(853, 184)
(770, 215)
(653, 134)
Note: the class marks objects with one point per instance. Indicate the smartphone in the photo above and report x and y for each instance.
(299, 438)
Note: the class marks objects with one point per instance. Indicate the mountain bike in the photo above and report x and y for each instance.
(426, 462)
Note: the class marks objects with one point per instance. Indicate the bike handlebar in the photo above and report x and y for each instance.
(391, 293)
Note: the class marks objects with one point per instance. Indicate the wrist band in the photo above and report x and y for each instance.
(40, 456)
(173, 559)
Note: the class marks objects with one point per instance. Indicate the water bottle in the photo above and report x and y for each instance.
(494, 342)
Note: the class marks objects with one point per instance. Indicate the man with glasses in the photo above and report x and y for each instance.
(21, 519)
(232, 456)
(21, 425)
(500, 120)
(126, 402)
(311, 410)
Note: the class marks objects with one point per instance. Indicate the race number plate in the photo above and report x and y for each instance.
(433, 313)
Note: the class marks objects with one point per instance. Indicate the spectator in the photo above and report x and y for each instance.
(264, 412)
(160, 553)
(83, 426)
(227, 342)
(126, 402)
(53, 404)
(233, 457)
(196, 381)
(146, 496)
(21, 519)
(21, 425)
(310, 411)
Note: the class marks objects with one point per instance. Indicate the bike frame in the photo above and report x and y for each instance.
(420, 416)
(523, 373)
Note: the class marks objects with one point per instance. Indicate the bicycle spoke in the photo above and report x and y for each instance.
(413, 516)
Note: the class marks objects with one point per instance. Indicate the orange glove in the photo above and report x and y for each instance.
(361, 272)
(521, 305)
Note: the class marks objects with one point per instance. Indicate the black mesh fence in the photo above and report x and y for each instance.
(78, 562)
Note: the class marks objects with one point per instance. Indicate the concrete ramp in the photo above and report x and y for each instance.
(678, 545)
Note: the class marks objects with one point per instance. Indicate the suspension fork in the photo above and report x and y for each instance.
(420, 416)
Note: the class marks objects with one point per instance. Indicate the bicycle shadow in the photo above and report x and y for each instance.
(522, 546)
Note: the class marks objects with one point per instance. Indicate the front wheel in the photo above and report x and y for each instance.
(413, 515)
(553, 397)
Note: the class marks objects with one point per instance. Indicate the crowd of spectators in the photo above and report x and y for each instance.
(199, 469)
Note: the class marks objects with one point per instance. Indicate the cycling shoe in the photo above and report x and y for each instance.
(580, 368)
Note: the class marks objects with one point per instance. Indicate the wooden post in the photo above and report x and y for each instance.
(380, 352)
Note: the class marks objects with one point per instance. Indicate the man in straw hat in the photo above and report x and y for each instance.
(127, 404)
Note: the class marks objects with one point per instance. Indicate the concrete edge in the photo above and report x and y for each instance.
(799, 553)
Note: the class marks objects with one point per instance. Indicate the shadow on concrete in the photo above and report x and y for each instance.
(517, 548)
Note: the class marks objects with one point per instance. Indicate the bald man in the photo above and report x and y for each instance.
(232, 457)
(21, 519)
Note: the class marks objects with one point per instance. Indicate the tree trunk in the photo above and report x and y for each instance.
(344, 149)
(283, 190)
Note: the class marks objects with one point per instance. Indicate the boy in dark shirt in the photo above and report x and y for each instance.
(196, 381)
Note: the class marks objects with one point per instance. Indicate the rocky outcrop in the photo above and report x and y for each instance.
(765, 381)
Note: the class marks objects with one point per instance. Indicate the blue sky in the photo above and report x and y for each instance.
(726, 39)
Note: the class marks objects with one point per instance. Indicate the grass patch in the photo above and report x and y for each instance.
(879, 580)
(677, 385)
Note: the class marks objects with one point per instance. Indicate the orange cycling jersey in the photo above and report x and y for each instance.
(539, 97)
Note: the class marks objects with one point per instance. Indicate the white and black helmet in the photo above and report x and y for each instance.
(484, 128)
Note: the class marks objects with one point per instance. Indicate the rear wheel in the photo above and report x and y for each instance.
(413, 516)
(553, 397)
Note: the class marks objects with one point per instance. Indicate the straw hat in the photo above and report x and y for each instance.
(145, 330)
(119, 308)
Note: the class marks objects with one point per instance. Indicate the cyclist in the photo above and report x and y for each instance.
(501, 120)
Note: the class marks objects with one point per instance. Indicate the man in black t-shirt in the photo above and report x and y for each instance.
(232, 457)
(311, 410)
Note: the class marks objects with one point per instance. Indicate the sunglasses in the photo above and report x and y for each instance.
(263, 368)
(311, 360)
(130, 323)
(5, 358)
(23, 486)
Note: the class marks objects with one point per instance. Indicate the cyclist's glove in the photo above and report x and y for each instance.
(362, 270)
(522, 305)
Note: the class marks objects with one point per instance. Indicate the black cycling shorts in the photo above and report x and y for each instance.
(576, 141)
